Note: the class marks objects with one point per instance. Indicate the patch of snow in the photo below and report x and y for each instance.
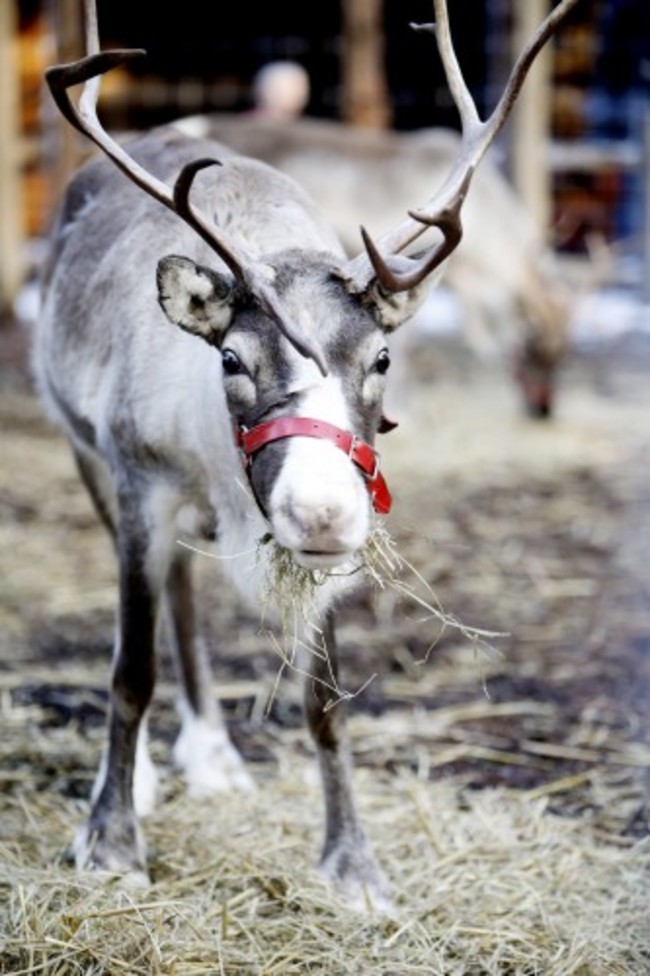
(607, 315)
(439, 315)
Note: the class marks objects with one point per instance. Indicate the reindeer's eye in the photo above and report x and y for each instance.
(383, 362)
(231, 362)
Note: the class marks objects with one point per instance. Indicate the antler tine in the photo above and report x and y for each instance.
(459, 90)
(524, 62)
(83, 117)
(444, 209)
(90, 91)
(447, 220)
(87, 71)
(196, 220)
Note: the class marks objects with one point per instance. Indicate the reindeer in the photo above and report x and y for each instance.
(218, 365)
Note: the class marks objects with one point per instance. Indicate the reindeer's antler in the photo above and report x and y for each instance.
(83, 116)
(444, 209)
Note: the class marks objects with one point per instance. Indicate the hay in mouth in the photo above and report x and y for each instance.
(291, 592)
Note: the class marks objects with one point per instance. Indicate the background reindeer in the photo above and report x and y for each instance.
(253, 414)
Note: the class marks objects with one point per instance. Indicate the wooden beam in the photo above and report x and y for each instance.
(365, 98)
(531, 118)
(12, 242)
(66, 147)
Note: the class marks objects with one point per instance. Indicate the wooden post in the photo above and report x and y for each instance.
(531, 118)
(12, 243)
(64, 149)
(365, 99)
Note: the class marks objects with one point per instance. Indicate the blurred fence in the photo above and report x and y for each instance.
(588, 151)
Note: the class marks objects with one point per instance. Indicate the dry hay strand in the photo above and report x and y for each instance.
(291, 592)
(485, 883)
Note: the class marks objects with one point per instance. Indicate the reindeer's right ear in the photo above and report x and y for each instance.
(195, 297)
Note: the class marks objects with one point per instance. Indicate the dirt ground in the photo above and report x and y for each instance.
(535, 531)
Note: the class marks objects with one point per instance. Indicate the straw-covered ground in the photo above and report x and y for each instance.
(504, 781)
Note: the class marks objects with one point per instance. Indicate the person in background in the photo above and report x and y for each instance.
(281, 90)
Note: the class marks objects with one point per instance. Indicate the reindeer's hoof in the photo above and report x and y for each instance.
(210, 761)
(365, 898)
(357, 879)
(224, 772)
(118, 856)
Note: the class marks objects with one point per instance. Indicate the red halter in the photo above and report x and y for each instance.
(364, 456)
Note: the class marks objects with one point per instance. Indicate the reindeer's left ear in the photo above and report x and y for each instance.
(198, 299)
(392, 309)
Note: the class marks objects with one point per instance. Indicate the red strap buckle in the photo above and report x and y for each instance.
(363, 455)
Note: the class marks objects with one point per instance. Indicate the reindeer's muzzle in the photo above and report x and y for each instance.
(361, 454)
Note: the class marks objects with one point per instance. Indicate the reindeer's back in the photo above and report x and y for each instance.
(248, 199)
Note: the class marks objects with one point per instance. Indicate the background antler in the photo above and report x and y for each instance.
(83, 116)
(444, 209)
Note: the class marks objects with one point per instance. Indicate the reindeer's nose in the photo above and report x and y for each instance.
(324, 517)
(322, 521)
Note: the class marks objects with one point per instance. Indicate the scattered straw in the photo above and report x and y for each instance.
(486, 882)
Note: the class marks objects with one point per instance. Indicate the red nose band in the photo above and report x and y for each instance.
(364, 456)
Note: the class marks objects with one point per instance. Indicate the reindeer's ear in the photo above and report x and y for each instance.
(196, 298)
(393, 309)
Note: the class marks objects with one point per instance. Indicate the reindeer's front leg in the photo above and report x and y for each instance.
(347, 859)
(111, 839)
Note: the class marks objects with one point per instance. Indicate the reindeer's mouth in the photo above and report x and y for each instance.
(321, 558)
